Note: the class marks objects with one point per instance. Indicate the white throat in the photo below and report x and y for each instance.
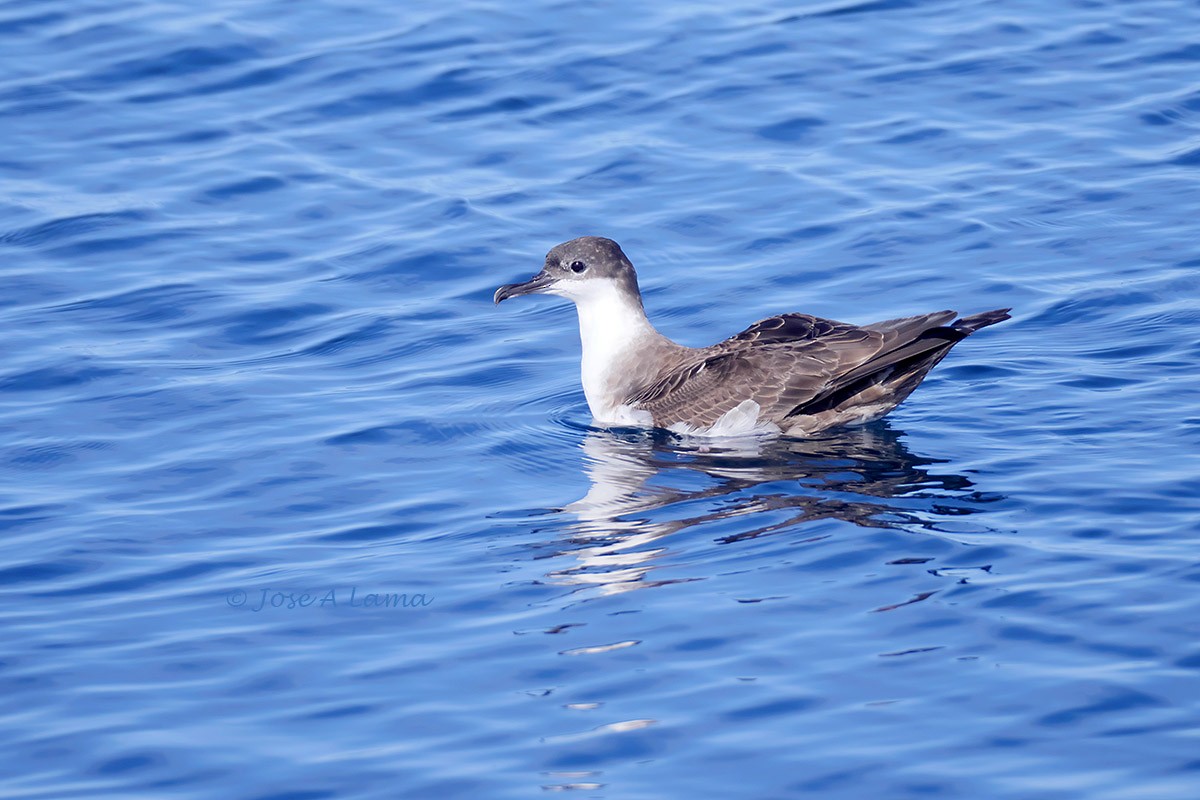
(613, 330)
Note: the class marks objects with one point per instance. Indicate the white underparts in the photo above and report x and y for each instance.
(741, 420)
(628, 415)
(612, 325)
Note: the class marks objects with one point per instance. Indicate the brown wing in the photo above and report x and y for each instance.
(898, 331)
(778, 362)
(915, 346)
(787, 328)
(784, 363)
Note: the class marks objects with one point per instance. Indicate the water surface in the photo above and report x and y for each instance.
(248, 251)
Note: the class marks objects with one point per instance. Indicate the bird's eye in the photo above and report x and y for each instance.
(578, 267)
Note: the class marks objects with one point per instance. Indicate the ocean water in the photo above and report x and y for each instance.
(291, 511)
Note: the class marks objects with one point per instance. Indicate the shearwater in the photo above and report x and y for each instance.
(792, 373)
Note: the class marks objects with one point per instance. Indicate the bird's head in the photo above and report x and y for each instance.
(579, 269)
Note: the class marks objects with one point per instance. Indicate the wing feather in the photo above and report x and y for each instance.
(791, 362)
(778, 362)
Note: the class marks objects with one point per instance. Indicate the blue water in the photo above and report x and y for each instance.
(290, 510)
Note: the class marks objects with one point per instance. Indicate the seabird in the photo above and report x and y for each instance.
(792, 373)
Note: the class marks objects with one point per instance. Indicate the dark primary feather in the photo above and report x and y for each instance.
(982, 320)
(795, 365)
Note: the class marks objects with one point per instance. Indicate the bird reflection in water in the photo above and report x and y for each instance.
(648, 485)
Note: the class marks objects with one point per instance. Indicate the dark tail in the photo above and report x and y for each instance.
(890, 377)
(976, 321)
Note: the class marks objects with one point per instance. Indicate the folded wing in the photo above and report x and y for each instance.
(795, 364)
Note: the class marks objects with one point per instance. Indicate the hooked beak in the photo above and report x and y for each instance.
(538, 283)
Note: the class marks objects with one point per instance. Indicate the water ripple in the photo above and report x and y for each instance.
(253, 375)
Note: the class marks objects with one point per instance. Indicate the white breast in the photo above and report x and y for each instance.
(613, 331)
